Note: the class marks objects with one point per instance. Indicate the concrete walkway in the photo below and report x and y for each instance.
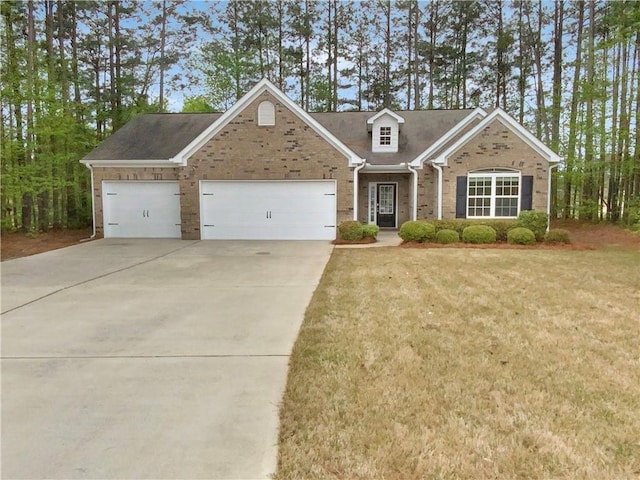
(386, 238)
(135, 359)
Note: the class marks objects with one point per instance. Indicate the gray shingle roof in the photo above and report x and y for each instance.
(153, 136)
(161, 136)
(420, 130)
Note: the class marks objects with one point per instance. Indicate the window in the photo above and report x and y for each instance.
(385, 135)
(266, 114)
(493, 194)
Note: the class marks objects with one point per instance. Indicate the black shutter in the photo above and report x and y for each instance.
(526, 198)
(461, 197)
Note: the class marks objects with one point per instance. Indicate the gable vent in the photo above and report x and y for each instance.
(266, 114)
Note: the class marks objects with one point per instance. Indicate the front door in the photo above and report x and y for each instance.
(386, 196)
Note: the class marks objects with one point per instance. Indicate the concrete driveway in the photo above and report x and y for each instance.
(150, 358)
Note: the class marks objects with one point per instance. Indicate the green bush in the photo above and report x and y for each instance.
(521, 236)
(534, 220)
(417, 231)
(457, 225)
(501, 227)
(557, 235)
(479, 234)
(447, 236)
(351, 230)
(370, 231)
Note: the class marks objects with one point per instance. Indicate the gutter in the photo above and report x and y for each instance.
(438, 169)
(93, 205)
(414, 206)
(551, 167)
(356, 172)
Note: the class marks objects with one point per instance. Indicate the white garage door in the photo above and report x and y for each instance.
(268, 210)
(141, 209)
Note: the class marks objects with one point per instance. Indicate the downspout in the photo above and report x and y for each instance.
(93, 205)
(356, 170)
(551, 167)
(414, 206)
(438, 169)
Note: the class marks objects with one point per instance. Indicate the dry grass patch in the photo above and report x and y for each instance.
(467, 364)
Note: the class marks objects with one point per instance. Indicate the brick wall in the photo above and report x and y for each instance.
(242, 150)
(495, 146)
(131, 174)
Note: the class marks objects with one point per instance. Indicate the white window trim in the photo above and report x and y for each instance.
(386, 136)
(266, 114)
(493, 175)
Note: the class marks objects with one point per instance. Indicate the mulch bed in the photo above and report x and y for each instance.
(16, 245)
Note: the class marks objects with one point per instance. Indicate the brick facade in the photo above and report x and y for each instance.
(124, 174)
(495, 146)
(242, 150)
(403, 194)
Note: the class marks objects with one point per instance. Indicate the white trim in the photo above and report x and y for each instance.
(438, 169)
(375, 220)
(414, 193)
(264, 85)
(400, 168)
(93, 202)
(492, 196)
(356, 174)
(509, 122)
(478, 113)
(384, 111)
(131, 163)
(551, 167)
(266, 114)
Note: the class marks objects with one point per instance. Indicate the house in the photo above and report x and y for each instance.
(266, 169)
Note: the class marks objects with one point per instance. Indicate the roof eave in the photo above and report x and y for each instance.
(131, 163)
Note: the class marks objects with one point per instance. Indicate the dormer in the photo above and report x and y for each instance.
(385, 130)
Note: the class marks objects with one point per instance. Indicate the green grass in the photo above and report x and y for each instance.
(460, 363)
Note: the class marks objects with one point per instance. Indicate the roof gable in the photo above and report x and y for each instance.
(441, 142)
(262, 86)
(380, 114)
(508, 121)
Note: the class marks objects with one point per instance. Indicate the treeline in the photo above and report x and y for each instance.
(73, 72)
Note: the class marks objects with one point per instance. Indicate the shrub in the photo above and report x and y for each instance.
(457, 225)
(370, 231)
(417, 231)
(447, 236)
(521, 236)
(534, 220)
(351, 230)
(557, 235)
(479, 234)
(501, 227)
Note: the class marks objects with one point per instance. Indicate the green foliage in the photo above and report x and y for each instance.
(447, 236)
(370, 231)
(479, 234)
(501, 227)
(521, 236)
(197, 104)
(458, 224)
(534, 220)
(417, 231)
(351, 230)
(557, 235)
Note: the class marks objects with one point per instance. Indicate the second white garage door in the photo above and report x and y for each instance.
(268, 210)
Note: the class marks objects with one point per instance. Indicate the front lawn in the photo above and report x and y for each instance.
(460, 363)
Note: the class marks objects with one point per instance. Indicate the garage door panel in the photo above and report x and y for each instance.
(282, 210)
(141, 209)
